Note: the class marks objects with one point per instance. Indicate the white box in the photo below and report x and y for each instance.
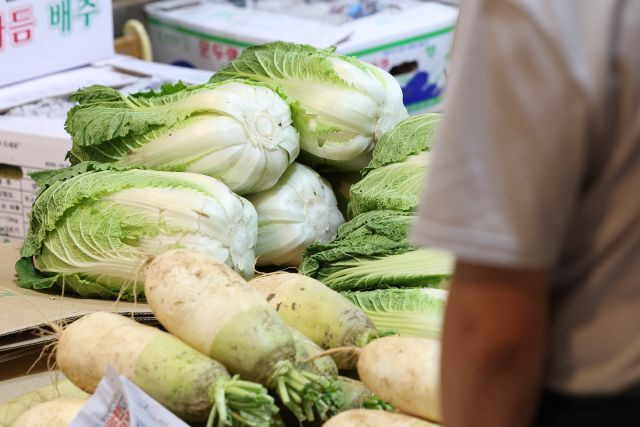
(39, 37)
(413, 43)
(30, 144)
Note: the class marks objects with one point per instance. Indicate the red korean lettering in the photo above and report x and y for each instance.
(22, 23)
(218, 53)
(204, 48)
(232, 53)
(2, 28)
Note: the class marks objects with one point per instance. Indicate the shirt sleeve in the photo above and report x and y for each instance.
(509, 157)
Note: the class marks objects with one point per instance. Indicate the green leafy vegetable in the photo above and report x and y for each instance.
(396, 186)
(372, 251)
(410, 312)
(395, 176)
(299, 210)
(93, 228)
(240, 133)
(411, 136)
(343, 104)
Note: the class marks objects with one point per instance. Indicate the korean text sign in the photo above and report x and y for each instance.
(39, 37)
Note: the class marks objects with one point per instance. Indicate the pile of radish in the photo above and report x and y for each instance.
(267, 352)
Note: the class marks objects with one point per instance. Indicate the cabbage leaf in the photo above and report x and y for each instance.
(299, 210)
(416, 312)
(372, 251)
(340, 105)
(395, 176)
(239, 133)
(93, 227)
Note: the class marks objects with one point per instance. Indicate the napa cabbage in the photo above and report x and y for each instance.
(341, 107)
(372, 251)
(236, 132)
(415, 312)
(299, 210)
(396, 174)
(94, 226)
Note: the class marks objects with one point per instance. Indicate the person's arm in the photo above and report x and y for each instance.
(494, 346)
(506, 175)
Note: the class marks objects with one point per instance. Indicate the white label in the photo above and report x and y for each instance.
(117, 402)
(16, 199)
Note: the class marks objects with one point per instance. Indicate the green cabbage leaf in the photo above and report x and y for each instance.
(372, 251)
(340, 105)
(93, 227)
(395, 176)
(239, 133)
(416, 312)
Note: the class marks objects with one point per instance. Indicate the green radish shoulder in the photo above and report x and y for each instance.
(209, 306)
(190, 384)
(320, 313)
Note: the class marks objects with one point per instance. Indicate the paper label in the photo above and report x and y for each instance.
(118, 402)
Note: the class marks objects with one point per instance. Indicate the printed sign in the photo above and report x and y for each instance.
(39, 37)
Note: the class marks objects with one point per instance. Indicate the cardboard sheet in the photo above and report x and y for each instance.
(25, 314)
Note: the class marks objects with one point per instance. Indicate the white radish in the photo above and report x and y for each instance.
(63, 389)
(213, 309)
(373, 418)
(306, 350)
(188, 383)
(320, 313)
(54, 413)
(405, 372)
(357, 396)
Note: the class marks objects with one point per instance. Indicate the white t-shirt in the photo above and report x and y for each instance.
(537, 164)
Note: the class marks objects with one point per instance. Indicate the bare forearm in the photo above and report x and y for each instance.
(494, 348)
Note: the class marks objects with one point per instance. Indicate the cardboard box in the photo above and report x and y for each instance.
(40, 37)
(413, 43)
(26, 144)
(24, 319)
(25, 315)
(30, 144)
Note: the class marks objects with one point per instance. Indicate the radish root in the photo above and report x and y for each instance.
(349, 353)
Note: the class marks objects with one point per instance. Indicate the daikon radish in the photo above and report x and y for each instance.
(307, 349)
(372, 418)
(356, 396)
(188, 383)
(320, 313)
(209, 306)
(63, 389)
(405, 372)
(54, 413)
